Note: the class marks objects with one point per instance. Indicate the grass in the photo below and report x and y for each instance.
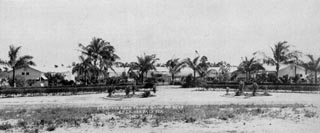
(51, 118)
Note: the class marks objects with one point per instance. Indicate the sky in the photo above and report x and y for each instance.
(50, 30)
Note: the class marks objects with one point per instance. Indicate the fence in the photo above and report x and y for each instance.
(290, 87)
(62, 90)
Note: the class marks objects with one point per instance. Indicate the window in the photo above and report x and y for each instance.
(27, 73)
(22, 73)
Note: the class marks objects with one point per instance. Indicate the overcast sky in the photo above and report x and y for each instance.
(50, 30)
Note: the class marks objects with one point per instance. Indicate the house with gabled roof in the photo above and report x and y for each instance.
(33, 77)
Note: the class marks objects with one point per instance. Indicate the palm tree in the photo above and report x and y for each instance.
(84, 68)
(198, 66)
(249, 66)
(54, 78)
(102, 54)
(15, 61)
(313, 65)
(203, 67)
(281, 55)
(174, 67)
(224, 69)
(145, 63)
(193, 64)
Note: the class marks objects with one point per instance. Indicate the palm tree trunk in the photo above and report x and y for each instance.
(315, 77)
(249, 75)
(295, 70)
(142, 77)
(246, 76)
(277, 70)
(96, 73)
(194, 75)
(85, 78)
(172, 77)
(13, 77)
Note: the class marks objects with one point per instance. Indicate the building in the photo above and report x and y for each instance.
(64, 70)
(292, 70)
(289, 70)
(31, 76)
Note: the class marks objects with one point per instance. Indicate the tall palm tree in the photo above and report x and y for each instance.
(313, 65)
(145, 63)
(199, 65)
(15, 61)
(174, 67)
(84, 68)
(281, 54)
(203, 67)
(193, 64)
(249, 66)
(102, 54)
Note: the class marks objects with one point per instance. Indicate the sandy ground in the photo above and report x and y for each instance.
(165, 95)
(253, 126)
(177, 96)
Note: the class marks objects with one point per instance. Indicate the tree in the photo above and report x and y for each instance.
(174, 67)
(203, 67)
(15, 61)
(145, 63)
(198, 65)
(248, 66)
(313, 65)
(54, 78)
(84, 69)
(193, 64)
(102, 55)
(224, 69)
(280, 55)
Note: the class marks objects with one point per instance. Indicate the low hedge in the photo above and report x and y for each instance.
(61, 90)
(291, 87)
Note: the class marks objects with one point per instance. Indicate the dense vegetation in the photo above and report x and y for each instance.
(99, 57)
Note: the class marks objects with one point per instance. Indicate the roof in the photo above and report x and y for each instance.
(282, 66)
(33, 68)
(59, 69)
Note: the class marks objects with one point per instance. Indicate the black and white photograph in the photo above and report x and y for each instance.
(159, 66)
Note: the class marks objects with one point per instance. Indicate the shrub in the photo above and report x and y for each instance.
(188, 82)
(309, 114)
(51, 128)
(190, 120)
(110, 91)
(22, 123)
(149, 85)
(154, 89)
(5, 126)
(127, 90)
(146, 94)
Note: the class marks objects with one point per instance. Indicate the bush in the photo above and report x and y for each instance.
(146, 94)
(110, 91)
(51, 128)
(127, 90)
(5, 126)
(22, 123)
(154, 89)
(188, 82)
(149, 85)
